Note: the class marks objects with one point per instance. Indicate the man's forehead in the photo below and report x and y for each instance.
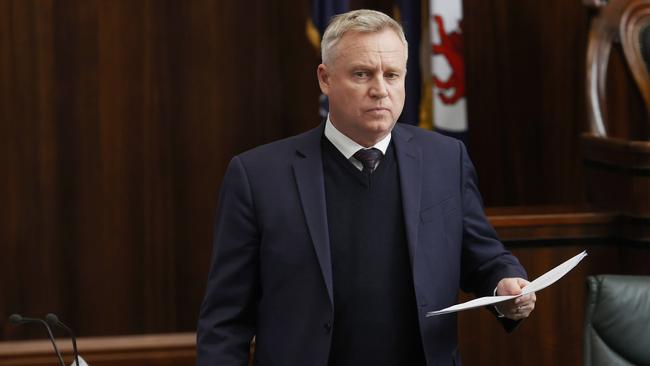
(371, 60)
(375, 46)
(351, 37)
(366, 47)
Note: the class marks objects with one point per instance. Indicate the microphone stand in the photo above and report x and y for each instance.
(19, 319)
(54, 320)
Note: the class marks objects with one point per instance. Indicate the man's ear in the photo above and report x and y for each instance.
(323, 79)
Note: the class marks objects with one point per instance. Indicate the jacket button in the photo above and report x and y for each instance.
(328, 327)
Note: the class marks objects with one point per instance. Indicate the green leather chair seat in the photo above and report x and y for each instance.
(617, 325)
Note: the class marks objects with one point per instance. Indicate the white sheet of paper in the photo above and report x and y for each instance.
(82, 362)
(540, 283)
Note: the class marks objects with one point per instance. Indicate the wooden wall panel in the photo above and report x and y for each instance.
(628, 118)
(118, 119)
(525, 63)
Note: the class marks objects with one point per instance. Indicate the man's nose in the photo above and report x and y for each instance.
(378, 88)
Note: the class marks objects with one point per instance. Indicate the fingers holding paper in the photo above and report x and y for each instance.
(517, 308)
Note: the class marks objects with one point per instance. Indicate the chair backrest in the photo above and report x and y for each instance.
(617, 321)
(627, 21)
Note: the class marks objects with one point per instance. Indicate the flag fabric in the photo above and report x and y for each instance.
(409, 14)
(447, 68)
(321, 13)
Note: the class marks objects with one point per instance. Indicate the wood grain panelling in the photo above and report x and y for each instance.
(628, 118)
(118, 119)
(524, 65)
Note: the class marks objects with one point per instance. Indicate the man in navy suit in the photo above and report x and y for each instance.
(331, 246)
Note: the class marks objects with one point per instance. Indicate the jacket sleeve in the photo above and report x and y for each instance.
(227, 320)
(485, 261)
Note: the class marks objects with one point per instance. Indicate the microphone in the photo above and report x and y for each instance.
(54, 321)
(19, 319)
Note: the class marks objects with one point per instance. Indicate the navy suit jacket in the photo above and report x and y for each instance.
(271, 273)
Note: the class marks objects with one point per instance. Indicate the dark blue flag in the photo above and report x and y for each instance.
(409, 14)
(321, 13)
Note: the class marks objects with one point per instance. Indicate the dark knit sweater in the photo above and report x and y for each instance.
(375, 315)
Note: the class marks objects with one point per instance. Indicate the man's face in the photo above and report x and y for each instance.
(365, 84)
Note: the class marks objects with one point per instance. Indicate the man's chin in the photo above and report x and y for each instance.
(378, 113)
(378, 129)
(379, 125)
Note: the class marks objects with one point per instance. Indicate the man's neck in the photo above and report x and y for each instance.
(346, 145)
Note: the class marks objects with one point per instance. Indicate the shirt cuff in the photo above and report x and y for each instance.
(499, 314)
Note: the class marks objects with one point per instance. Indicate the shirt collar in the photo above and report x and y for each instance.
(346, 145)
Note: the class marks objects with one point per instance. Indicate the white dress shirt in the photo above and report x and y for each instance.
(348, 147)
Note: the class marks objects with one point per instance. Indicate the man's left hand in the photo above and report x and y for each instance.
(520, 307)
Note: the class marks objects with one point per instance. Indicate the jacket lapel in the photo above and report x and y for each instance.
(409, 162)
(308, 171)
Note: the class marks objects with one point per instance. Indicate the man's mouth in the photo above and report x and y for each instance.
(378, 109)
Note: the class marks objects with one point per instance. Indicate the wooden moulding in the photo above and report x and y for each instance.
(176, 349)
(536, 223)
(617, 174)
(625, 154)
(617, 178)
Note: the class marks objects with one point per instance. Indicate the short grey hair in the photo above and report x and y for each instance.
(362, 21)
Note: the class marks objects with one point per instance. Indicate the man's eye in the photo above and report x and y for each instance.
(392, 75)
(361, 74)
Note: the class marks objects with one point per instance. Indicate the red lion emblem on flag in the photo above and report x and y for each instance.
(451, 47)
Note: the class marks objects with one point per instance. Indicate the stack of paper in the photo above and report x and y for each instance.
(540, 283)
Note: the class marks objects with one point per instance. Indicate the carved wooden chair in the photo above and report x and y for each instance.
(617, 165)
(627, 21)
